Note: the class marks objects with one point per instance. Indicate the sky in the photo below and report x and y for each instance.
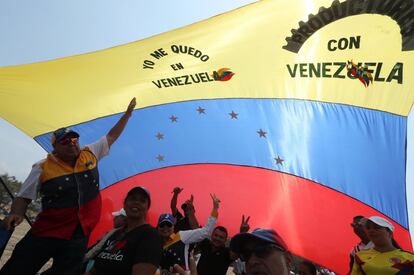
(33, 31)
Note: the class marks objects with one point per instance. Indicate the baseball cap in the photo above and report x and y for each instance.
(382, 222)
(61, 133)
(267, 235)
(141, 190)
(120, 212)
(166, 217)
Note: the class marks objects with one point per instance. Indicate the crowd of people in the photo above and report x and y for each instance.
(68, 183)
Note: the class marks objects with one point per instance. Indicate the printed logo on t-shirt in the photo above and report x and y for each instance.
(113, 250)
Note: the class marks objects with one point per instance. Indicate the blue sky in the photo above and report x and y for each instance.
(33, 31)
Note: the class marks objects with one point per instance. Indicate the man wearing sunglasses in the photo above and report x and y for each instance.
(68, 183)
(264, 252)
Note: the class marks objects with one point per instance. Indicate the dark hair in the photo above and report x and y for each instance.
(358, 217)
(222, 228)
(310, 266)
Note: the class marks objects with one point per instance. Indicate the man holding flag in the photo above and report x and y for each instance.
(68, 182)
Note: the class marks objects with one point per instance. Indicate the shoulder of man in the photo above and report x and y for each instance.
(39, 164)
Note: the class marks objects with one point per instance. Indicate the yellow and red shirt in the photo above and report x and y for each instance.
(373, 262)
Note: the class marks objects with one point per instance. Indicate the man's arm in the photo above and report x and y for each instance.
(116, 131)
(197, 235)
(190, 213)
(27, 193)
(173, 204)
(18, 209)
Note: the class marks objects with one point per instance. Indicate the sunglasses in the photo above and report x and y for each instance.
(68, 140)
(259, 250)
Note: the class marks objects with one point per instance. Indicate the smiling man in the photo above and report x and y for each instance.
(215, 256)
(68, 183)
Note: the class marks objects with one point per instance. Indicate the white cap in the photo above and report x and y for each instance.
(382, 222)
(121, 212)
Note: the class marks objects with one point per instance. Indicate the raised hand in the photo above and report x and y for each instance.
(177, 190)
(131, 106)
(190, 206)
(244, 226)
(216, 201)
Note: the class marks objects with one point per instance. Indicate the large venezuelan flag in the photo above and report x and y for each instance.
(259, 105)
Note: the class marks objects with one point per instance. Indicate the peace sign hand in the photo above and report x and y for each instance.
(244, 226)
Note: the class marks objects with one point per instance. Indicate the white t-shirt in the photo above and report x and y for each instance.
(30, 186)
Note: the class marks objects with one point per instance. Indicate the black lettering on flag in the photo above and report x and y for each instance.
(396, 73)
(159, 53)
(186, 80)
(292, 73)
(148, 64)
(315, 70)
(303, 69)
(326, 69)
(172, 81)
(195, 80)
(377, 73)
(158, 84)
(337, 73)
(367, 65)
